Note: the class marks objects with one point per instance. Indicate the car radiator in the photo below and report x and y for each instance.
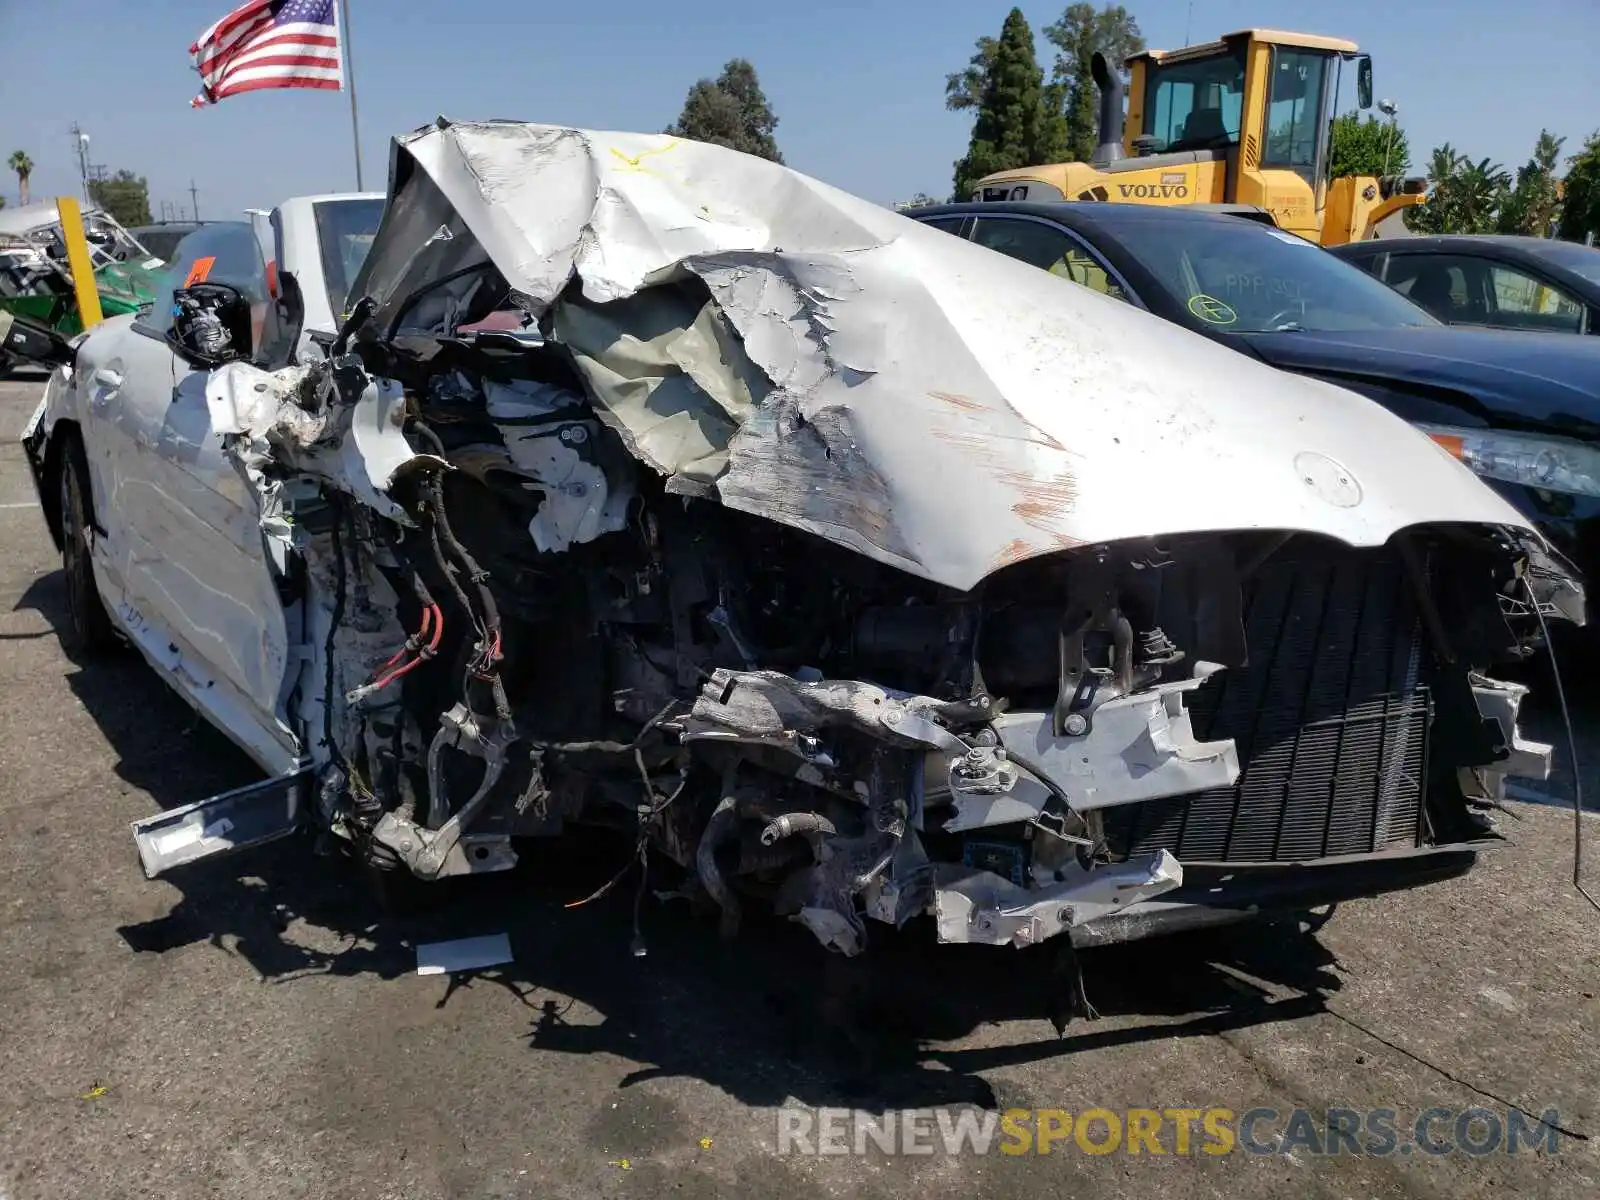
(1330, 718)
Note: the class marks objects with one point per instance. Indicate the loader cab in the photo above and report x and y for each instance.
(1259, 104)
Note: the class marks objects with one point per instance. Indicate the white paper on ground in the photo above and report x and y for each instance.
(463, 954)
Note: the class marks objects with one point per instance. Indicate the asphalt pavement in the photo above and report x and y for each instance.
(258, 1030)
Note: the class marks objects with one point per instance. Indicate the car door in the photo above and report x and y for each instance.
(1522, 298)
(1452, 287)
(200, 593)
(1053, 248)
(1474, 289)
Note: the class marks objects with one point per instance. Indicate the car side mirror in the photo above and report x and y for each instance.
(211, 325)
(1364, 81)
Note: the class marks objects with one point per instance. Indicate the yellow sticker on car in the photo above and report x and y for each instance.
(1212, 310)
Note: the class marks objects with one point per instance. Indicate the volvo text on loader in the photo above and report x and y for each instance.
(1245, 121)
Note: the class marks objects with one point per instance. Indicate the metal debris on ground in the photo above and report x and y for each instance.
(463, 954)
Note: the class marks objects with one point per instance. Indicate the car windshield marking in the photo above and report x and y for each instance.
(1265, 281)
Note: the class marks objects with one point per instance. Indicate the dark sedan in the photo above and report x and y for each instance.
(1521, 409)
(1502, 282)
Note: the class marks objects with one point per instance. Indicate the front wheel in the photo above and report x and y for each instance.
(89, 632)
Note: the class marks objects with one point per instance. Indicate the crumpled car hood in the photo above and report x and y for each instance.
(813, 358)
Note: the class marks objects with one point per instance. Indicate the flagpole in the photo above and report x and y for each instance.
(350, 78)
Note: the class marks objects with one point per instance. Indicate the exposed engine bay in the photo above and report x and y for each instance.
(766, 536)
(535, 632)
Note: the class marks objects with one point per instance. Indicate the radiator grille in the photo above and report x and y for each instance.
(1330, 719)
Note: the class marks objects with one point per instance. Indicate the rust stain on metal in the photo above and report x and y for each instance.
(1012, 552)
(978, 440)
(1044, 501)
(963, 402)
(971, 442)
(1041, 437)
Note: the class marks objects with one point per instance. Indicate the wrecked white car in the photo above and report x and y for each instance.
(853, 569)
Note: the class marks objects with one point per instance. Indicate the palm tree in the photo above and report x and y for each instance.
(1444, 163)
(23, 166)
(1439, 214)
(1482, 186)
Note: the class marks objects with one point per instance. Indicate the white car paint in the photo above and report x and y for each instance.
(179, 561)
(1010, 413)
(295, 246)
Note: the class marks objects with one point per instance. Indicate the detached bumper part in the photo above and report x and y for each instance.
(223, 824)
(1500, 703)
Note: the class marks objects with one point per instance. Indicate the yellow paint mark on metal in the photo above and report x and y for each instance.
(630, 162)
(1212, 310)
(78, 259)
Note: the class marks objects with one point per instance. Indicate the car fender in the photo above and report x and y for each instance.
(42, 445)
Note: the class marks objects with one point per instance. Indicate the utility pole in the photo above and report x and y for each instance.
(1391, 110)
(80, 148)
(194, 199)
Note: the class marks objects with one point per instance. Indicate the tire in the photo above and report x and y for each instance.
(88, 632)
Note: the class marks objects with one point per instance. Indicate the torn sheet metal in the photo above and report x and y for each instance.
(1500, 703)
(1131, 749)
(356, 444)
(842, 369)
(223, 824)
(979, 906)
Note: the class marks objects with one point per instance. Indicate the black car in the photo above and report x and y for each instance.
(1502, 282)
(1521, 409)
(162, 238)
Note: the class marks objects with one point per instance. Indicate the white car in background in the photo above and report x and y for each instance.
(322, 241)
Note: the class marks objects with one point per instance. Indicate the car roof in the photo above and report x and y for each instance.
(37, 215)
(1452, 241)
(305, 202)
(1100, 214)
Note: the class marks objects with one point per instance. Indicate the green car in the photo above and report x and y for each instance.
(36, 282)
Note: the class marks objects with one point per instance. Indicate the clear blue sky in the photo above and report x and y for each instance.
(857, 84)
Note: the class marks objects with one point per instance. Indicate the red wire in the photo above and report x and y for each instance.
(432, 618)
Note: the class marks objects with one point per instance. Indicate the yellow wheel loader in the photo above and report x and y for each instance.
(1245, 122)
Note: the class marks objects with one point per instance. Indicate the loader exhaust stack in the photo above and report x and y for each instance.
(1109, 80)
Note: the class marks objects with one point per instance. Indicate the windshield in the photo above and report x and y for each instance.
(162, 241)
(1195, 105)
(345, 229)
(1241, 277)
(1581, 260)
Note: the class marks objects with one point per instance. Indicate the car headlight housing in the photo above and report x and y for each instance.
(1551, 464)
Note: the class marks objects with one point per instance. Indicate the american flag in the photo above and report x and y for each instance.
(269, 44)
